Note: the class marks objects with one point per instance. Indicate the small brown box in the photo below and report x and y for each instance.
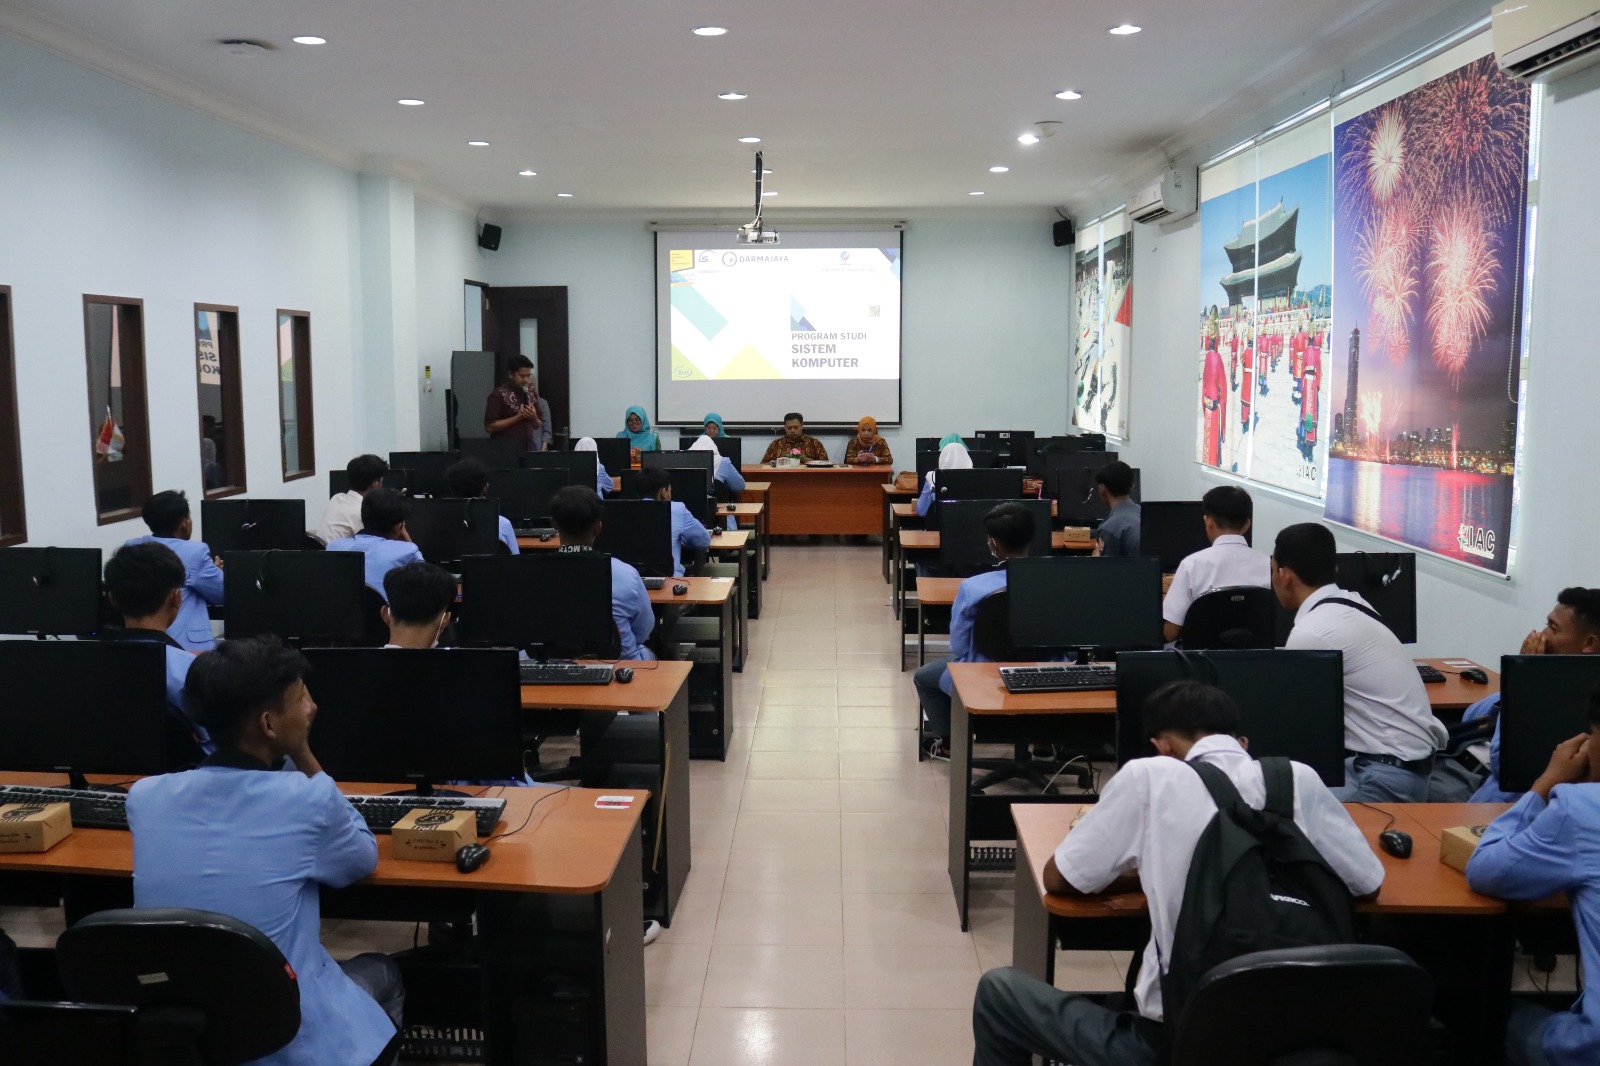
(33, 826)
(1457, 844)
(434, 835)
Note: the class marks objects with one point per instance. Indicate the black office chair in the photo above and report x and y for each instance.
(1340, 1005)
(1237, 617)
(209, 988)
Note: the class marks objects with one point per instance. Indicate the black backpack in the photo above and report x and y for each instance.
(1255, 883)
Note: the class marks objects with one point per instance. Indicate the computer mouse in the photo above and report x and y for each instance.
(623, 675)
(1475, 674)
(471, 856)
(1394, 842)
(716, 531)
(545, 538)
(680, 589)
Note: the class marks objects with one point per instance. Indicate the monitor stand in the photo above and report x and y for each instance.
(75, 779)
(426, 788)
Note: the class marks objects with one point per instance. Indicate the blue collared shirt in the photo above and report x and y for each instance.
(630, 609)
(1119, 533)
(602, 480)
(202, 584)
(964, 612)
(1534, 850)
(729, 475)
(257, 844)
(383, 555)
(1490, 791)
(925, 497)
(508, 536)
(686, 531)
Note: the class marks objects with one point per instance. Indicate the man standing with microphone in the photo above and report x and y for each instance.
(516, 411)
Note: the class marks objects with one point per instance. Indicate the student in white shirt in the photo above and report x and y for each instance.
(1390, 733)
(342, 517)
(1140, 837)
(1229, 563)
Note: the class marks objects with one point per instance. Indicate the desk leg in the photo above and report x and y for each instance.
(743, 593)
(888, 532)
(922, 633)
(1032, 941)
(764, 540)
(899, 578)
(671, 858)
(960, 741)
(753, 589)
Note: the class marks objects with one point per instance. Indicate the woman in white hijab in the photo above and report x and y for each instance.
(952, 456)
(602, 480)
(723, 470)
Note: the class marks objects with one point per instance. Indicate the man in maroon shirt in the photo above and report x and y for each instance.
(516, 411)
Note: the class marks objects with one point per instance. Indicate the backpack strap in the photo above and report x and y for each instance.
(1278, 775)
(1223, 792)
(1341, 601)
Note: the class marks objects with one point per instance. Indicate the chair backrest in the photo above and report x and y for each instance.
(991, 628)
(1238, 617)
(220, 979)
(1340, 1005)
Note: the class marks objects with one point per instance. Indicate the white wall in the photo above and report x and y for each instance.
(447, 255)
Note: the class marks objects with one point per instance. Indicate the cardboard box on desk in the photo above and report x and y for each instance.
(1457, 844)
(33, 826)
(433, 835)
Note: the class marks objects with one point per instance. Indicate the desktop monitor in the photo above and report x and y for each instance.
(975, 484)
(639, 532)
(445, 528)
(303, 596)
(964, 544)
(927, 459)
(1012, 444)
(615, 454)
(574, 587)
(1291, 703)
(50, 591)
(427, 470)
(580, 467)
(1077, 501)
(689, 489)
(1388, 581)
(496, 453)
(34, 1031)
(1171, 530)
(88, 706)
(1067, 604)
(417, 715)
(524, 495)
(1544, 700)
(682, 460)
(1043, 447)
(245, 525)
(984, 458)
(397, 480)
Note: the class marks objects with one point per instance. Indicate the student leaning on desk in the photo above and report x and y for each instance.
(167, 514)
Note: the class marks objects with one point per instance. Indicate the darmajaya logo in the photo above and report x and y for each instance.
(17, 814)
(729, 259)
(844, 257)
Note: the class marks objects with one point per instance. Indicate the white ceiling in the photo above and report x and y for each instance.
(862, 104)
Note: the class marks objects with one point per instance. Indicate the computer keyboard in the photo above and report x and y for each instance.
(535, 531)
(1430, 676)
(1058, 678)
(654, 583)
(537, 673)
(109, 810)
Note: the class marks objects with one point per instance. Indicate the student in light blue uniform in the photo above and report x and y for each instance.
(602, 480)
(723, 470)
(145, 583)
(383, 538)
(245, 836)
(1550, 843)
(578, 514)
(687, 532)
(953, 455)
(167, 515)
(468, 480)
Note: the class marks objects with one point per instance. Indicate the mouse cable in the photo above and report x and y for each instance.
(525, 821)
(1381, 811)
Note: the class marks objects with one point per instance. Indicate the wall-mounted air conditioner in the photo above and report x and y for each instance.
(1172, 196)
(1541, 39)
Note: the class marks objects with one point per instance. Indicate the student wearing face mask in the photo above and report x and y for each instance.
(420, 596)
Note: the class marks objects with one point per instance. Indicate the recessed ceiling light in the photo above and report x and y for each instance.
(564, 195)
(998, 170)
(1028, 138)
(710, 31)
(1125, 29)
(478, 144)
(410, 103)
(528, 173)
(975, 192)
(1069, 94)
(733, 96)
(749, 140)
(310, 40)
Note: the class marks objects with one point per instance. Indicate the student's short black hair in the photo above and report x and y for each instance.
(363, 471)
(649, 481)
(239, 679)
(518, 362)
(467, 478)
(1308, 549)
(1229, 506)
(575, 509)
(796, 416)
(1116, 476)
(164, 512)
(1190, 709)
(382, 510)
(139, 577)
(419, 592)
(1011, 525)
(1585, 606)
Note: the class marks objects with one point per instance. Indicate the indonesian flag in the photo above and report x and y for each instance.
(110, 441)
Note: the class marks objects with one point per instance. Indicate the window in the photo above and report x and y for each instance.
(294, 394)
(119, 423)
(216, 354)
(13, 529)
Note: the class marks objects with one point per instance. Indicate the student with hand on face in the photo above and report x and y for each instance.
(245, 836)
(145, 584)
(167, 515)
(1230, 562)
(342, 517)
(469, 479)
(794, 440)
(578, 515)
(1118, 535)
(687, 532)
(420, 599)
(383, 538)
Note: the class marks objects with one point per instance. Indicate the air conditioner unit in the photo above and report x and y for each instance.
(1170, 197)
(1540, 39)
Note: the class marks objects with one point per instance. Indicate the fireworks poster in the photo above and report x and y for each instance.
(1103, 286)
(1431, 206)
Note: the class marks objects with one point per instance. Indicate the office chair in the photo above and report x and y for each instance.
(209, 988)
(1339, 1005)
(1238, 617)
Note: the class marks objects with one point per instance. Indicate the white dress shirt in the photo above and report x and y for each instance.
(1150, 816)
(1229, 563)
(341, 519)
(1386, 708)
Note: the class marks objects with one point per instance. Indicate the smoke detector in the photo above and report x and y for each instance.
(243, 48)
(1047, 128)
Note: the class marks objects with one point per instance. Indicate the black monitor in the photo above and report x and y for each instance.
(1074, 490)
(1544, 700)
(974, 484)
(245, 525)
(427, 470)
(397, 480)
(417, 715)
(446, 528)
(1070, 604)
(1308, 728)
(524, 495)
(681, 460)
(87, 707)
(572, 591)
(639, 532)
(1388, 581)
(303, 597)
(581, 468)
(1172, 530)
(496, 453)
(689, 489)
(1013, 445)
(964, 544)
(985, 458)
(730, 448)
(50, 591)
(616, 454)
(33, 1031)
(927, 459)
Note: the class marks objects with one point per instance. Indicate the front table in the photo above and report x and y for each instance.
(814, 500)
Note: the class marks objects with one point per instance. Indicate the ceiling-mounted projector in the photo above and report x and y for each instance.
(753, 232)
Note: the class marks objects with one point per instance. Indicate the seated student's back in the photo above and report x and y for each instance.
(469, 479)
(145, 584)
(383, 538)
(579, 515)
(420, 600)
(171, 523)
(342, 517)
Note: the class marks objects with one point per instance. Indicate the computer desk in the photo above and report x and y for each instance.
(736, 543)
(711, 677)
(567, 848)
(813, 500)
(914, 544)
(894, 498)
(756, 516)
(761, 492)
(659, 688)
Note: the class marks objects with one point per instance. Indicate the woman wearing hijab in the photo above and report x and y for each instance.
(636, 427)
(516, 411)
(714, 427)
(722, 469)
(602, 480)
(866, 448)
(952, 456)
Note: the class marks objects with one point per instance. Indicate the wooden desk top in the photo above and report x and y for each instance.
(741, 508)
(702, 590)
(937, 591)
(928, 540)
(1418, 885)
(903, 510)
(874, 473)
(1455, 694)
(730, 540)
(759, 487)
(535, 544)
(653, 688)
(890, 489)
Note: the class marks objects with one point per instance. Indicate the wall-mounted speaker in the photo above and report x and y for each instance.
(1062, 233)
(489, 237)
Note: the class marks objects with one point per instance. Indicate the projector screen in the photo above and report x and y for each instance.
(752, 331)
